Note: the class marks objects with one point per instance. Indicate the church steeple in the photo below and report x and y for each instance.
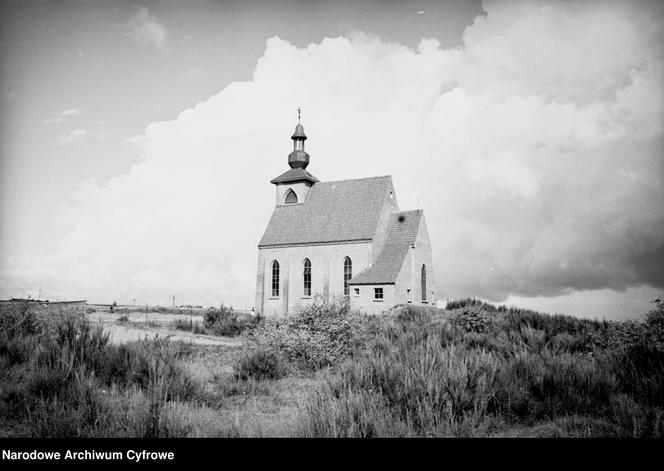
(293, 185)
(298, 158)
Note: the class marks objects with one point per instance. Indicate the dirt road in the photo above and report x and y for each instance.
(141, 325)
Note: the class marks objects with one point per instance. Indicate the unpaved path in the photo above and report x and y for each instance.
(139, 326)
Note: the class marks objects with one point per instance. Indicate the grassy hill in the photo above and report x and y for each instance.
(472, 370)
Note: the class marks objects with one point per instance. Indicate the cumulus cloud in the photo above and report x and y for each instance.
(534, 149)
(62, 116)
(146, 29)
(73, 136)
(71, 112)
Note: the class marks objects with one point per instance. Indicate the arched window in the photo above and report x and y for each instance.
(424, 283)
(275, 279)
(348, 274)
(291, 197)
(307, 277)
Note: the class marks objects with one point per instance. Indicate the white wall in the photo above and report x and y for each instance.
(301, 189)
(327, 273)
(410, 275)
(366, 301)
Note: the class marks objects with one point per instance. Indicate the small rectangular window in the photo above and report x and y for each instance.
(357, 291)
(378, 294)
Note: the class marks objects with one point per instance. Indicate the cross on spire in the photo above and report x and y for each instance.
(298, 115)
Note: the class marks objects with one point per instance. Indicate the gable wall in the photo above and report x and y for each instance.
(300, 188)
(409, 276)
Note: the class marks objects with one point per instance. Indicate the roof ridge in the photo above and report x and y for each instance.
(357, 179)
(409, 211)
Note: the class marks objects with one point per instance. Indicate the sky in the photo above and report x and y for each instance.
(138, 140)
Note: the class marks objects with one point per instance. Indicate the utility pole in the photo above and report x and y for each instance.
(39, 297)
(134, 302)
(173, 305)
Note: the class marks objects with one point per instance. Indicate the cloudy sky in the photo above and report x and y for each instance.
(138, 140)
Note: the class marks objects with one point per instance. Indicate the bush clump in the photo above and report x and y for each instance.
(318, 335)
(489, 371)
(189, 325)
(227, 322)
(474, 319)
(260, 364)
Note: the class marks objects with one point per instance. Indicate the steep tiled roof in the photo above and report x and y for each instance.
(401, 234)
(345, 210)
(294, 174)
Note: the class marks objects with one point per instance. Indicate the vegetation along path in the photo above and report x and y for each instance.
(471, 370)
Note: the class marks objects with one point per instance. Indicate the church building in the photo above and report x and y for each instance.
(343, 238)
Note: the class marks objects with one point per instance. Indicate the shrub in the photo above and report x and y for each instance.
(76, 410)
(472, 302)
(188, 325)
(655, 325)
(318, 335)
(552, 324)
(147, 418)
(474, 319)
(534, 387)
(19, 319)
(57, 377)
(488, 368)
(413, 313)
(225, 321)
(421, 390)
(636, 420)
(151, 365)
(640, 373)
(17, 350)
(349, 414)
(260, 364)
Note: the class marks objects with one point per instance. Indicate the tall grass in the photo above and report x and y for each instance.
(474, 371)
(487, 371)
(62, 378)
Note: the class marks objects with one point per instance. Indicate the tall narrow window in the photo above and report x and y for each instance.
(291, 197)
(307, 277)
(275, 279)
(348, 274)
(424, 284)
